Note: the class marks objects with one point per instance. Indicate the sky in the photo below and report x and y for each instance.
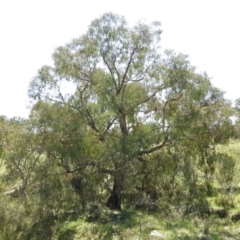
(207, 31)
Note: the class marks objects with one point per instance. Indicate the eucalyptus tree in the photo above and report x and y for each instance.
(237, 117)
(20, 155)
(129, 102)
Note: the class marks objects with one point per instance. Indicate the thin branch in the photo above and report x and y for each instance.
(91, 121)
(171, 100)
(70, 105)
(150, 150)
(30, 170)
(118, 74)
(54, 100)
(128, 65)
(60, 94)
(146, 99)
(81, 91)
(85, 75)
(165, 105)
(83, 79)
(110, 70)
(89, 162)
(141, 78)
(48, 175)
(109, 125)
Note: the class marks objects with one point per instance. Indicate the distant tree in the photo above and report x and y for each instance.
(237, 117)
(133, 109)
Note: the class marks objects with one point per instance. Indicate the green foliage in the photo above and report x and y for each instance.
(140, 130)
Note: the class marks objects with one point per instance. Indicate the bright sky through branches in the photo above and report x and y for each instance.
(207, 31)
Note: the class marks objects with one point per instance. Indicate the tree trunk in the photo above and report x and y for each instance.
(114, 201)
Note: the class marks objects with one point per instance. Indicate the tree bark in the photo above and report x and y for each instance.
(115, 200)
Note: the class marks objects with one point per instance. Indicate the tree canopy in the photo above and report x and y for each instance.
(134, 110)
(116, 122)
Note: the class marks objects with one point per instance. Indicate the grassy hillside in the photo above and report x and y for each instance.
(232, 148)
(222, 222)
(138, 224)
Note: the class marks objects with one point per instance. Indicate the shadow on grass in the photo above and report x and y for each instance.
(111, 223)
(115, 222)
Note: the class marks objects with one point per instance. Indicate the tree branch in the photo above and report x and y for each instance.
(146, 99)
(150, 150)
(110, 70)
(126, 71)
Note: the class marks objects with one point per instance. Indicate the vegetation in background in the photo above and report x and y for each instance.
(140, 139)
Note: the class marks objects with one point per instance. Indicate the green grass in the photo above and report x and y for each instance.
(232, 148)
(132, 225)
